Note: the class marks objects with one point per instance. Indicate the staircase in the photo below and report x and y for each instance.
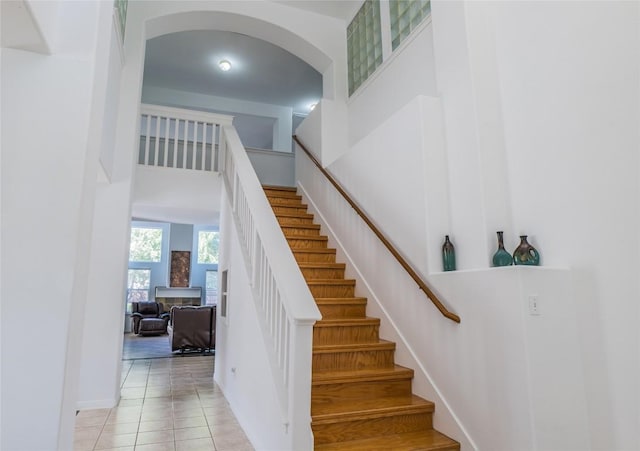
(360, 399)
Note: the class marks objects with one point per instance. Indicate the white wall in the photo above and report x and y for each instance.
(571, 114)
(102, 352)
(525, 370)
(111, 108)
(455, 88)
(49, 105)
(407, 73)
(273, 168)
(541, 138)
(176, 195)
(35, 162)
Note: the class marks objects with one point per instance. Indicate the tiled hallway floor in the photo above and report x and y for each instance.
(166, 404)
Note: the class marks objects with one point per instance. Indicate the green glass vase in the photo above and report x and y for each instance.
(448, 255)
(526, 254)
(502, 257)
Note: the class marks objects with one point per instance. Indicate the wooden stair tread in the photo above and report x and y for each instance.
(280, 188)
(282, 195)
(321, 265)
(276, 203)
(294, 215)
(306, 237)
(301, 226)
(381, 345)
(374, 374)
(427, 440)
(337, 322)
(331, 301)
(273, 195)
(369, 408)
(331, 282)
(338, 377)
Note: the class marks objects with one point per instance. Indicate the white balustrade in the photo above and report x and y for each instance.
(283, 301)
(178, 138)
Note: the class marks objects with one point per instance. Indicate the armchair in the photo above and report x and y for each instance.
(148, 317)
(192, 327)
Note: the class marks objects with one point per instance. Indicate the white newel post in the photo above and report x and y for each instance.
(300, 390)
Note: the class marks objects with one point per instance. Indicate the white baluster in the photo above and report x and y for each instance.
(166, 142)
(157, 150)
(176, 137)
(147, 142)
(195, 144)
(204, 146)
(185, 144)
(216, 149)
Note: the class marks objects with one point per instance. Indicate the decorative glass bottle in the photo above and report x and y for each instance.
(448, 255)
(502, 257)
(526, 254)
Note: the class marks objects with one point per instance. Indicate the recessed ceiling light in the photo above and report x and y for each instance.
(312, 106)
(224, 65)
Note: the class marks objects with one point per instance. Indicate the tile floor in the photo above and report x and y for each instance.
(169, 404)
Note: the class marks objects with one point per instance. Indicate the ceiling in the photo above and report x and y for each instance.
(18, 29)
(260, 72)
(339, 9)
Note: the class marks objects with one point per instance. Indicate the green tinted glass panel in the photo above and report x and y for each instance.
(364, 44)
(405, 17)
(121, 7)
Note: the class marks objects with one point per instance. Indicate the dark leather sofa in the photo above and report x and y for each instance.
(192, 328)
(151, 311)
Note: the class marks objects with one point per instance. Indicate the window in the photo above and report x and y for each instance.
(405, 16)
(208, 242)
(364, 44)
(138, 284)
(121, 8)
(211, 287)
(146, 244)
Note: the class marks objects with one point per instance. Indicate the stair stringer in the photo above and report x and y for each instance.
(445, 419)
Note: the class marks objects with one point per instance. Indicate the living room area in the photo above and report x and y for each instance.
(172, 290)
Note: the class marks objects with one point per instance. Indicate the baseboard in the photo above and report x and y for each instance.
(97, 404)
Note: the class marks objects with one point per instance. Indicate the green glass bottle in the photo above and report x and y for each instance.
(526, 254)
(448, 255)
(502, 257)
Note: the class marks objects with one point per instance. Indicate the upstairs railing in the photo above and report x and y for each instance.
(414, 275)
(285, 306)
(177, 138)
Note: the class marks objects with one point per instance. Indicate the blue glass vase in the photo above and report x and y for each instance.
(526, 254)
(448, 255)
(502, 257)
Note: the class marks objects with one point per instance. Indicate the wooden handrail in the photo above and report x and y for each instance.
(423, 286)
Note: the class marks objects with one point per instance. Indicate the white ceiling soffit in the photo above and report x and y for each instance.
(175, 215)
(339, 9)
(19, 29)
(261, 72)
